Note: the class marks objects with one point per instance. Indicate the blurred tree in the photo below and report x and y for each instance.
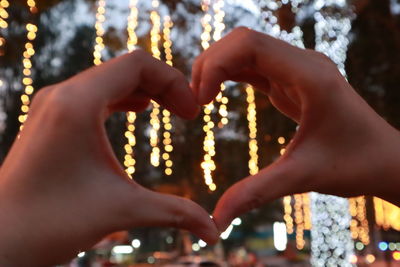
(64, 47)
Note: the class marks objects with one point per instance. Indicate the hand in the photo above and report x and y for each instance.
(61, 187)
(342, 146)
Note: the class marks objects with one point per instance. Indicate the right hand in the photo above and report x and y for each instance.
(342, 146)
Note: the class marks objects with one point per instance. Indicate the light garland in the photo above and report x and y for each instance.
(302, 210)
(287, 207)
(387, 215)
(271, 26)
(168, 147)
(252, 124)
(208, 164)
(129, 160)
(100, 19)
(29, 52)
(307, 211)
(4, 4)
(359, 224)
(331, 244)
(219, 27)
(155, 112)
(299, 220)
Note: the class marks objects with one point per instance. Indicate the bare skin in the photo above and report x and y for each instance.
(342, 146)
(61, 187)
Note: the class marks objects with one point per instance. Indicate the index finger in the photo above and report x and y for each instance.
(245, 49)
(127, 76)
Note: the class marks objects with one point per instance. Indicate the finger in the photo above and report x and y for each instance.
(156, 209)
(117, 79)
(196, 76)
(277, 180)
(136, 102)
(244, 49)
(257, 81)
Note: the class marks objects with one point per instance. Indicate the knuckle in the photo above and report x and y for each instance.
(140, 53)
(241, 30)
(41, 95)
(245, 33)
(320, 58)
(39, 99)
(59, 103)
(327, 70)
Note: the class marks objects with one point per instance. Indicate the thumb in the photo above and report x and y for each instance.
(156, 209)
(279, 179)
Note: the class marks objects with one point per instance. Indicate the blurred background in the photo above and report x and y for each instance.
(45, 42)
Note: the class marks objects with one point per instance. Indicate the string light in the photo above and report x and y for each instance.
(299, 220)
(208, 164)
(129, 160)
(307, 211)
(206, 23)
(155, 112)
(363, 229)
(29, 52)
(287, 207)
(4, 4)
(359, 224)
(167, 40)
(387, 215)
(132, 25)
(219, 27)
(252, 124)
(100, 19)
(168, 147)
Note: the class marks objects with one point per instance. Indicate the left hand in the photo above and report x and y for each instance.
(342, 146)
(61, 186)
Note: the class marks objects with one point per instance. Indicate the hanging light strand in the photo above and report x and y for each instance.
(155, 112)
(387, 215)
(167, 140)
(29, 52)
(99, 41)
(299, 220)
(252, 124)
(129, 160)
(208, 164)
(4, 4)
(363, 229)
(287, 207)
(219, 27)
(307, 211)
